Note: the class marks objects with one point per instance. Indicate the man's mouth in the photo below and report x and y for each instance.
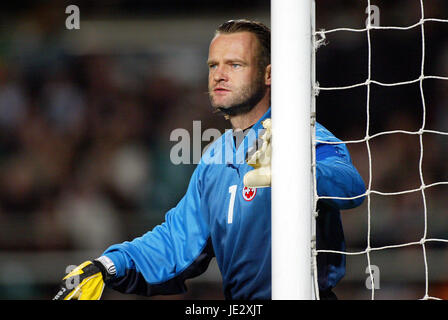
(221, 90)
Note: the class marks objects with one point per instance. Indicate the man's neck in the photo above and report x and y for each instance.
(244, 121)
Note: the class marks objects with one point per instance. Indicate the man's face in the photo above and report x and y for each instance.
(234, 78)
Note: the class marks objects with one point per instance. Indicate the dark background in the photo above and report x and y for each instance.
(86, 117)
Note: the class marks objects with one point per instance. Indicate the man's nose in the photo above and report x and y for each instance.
(220, 74)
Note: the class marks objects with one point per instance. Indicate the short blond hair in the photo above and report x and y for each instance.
(261, 31)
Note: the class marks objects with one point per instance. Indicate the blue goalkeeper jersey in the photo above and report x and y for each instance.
(219, 217)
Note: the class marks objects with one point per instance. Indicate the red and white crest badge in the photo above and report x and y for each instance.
(249, 193)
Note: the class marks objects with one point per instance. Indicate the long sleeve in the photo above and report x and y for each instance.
(336, 177)
(335, 173)
(162, 259)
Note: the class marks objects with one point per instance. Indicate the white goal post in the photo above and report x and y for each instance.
(294, 196)
(291, 53)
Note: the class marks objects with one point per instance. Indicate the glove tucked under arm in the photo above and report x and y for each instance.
(86, 281)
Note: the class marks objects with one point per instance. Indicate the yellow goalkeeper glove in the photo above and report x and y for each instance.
(260, 160)
(86, 281)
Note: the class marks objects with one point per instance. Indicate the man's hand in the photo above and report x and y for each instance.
(85, 282)
(260, 177)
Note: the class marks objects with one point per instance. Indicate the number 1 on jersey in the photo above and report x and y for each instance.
(232, 191)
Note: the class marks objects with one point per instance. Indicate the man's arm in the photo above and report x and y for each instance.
(336, 176)
(156, 263)
(161, 260)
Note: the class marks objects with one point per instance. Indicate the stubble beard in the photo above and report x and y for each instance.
(248, 97)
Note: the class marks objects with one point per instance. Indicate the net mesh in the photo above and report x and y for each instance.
(319, 39)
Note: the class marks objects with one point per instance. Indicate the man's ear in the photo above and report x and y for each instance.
(267, 76)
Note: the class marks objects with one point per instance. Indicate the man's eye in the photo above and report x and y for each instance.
(235, 65)
(212, 66)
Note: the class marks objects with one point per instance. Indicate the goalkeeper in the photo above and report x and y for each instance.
(219, 217)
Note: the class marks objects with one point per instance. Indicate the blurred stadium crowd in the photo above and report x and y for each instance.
(85, 138)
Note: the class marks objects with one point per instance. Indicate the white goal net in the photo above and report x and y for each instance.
(381, 86)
